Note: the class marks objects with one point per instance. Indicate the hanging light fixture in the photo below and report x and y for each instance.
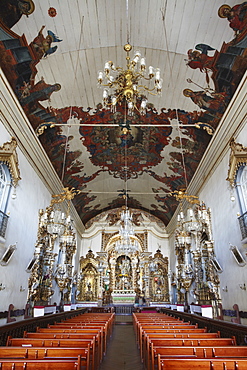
(126, 242)
(129, 85)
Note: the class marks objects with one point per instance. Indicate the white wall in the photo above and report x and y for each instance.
(38, 182)
(22, 228)
(225, 226)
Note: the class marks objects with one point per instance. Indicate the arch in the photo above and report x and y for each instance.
(238, 158)
(112, 241)
(5, 186)
(241, 187)
(8, 156)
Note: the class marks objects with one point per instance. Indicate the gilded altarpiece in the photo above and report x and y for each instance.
(87, 285)
(113, 277)
(159, 288)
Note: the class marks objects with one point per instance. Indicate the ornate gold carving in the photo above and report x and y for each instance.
(88, 282)
(238, 157)
(67, 194)
(8, 156)
(182, 194)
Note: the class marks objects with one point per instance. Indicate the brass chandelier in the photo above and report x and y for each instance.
(128, 85)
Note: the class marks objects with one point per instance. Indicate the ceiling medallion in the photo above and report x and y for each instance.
(52, 12)
(128, 85)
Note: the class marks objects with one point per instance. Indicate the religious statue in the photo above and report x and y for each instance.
(125, 267)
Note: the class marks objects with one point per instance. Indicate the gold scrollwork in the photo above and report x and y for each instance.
(238, 157)
(8, 156)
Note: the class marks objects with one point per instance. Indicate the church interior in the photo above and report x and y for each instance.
(123, 168)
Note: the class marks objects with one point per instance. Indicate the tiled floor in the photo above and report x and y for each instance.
(122, 352)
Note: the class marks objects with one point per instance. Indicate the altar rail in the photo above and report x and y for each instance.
(124, 310)
(17, 328)
(227, 329)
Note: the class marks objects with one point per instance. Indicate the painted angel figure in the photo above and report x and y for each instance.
(42, 45)
(199, 58)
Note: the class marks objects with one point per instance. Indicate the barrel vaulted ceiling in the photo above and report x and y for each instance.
(87, 146)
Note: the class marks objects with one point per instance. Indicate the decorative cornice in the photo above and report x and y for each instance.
(238, 157)
(8, 156)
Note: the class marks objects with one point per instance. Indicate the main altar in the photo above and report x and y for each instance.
(123, 296)
(115, 277)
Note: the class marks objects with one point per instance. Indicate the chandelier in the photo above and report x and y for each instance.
(128, 85)
(126, 243)
(55, 234)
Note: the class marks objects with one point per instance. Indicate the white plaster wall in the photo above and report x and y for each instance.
(225, 226)
(92, 242)
(158, 242)
(22, 228)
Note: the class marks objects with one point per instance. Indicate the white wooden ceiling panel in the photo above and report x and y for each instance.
(90, 76)
(95, 31)
(100, 20)
(119, 23)
(94, 39)
(185, 24)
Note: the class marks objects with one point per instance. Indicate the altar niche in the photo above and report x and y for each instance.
(123, 273)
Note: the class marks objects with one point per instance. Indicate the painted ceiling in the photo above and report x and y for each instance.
(112, 158)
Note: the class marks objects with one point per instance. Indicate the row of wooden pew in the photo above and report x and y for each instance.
(167, 343)
(78, 343)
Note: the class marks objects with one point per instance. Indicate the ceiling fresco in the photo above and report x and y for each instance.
(115, 159)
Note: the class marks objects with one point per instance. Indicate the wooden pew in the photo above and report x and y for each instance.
(202, 364)
(40, 364)
(160, 329)
(191, 342)
(83, 325)
(47, 353)
(197, 352)
(107, 318)
(88, 330)
(148, 336)
(61, 343)
(74, 333)
(157, 320)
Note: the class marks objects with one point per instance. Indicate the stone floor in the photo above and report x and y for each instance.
(122, 352)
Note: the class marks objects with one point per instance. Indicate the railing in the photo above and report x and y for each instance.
(17, 328)
(243, 225)
(124, 309)
(3, 223)
(227, 329)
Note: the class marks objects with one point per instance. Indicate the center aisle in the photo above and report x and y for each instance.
(122, 352)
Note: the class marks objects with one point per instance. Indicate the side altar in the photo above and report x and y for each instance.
(120, 296)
